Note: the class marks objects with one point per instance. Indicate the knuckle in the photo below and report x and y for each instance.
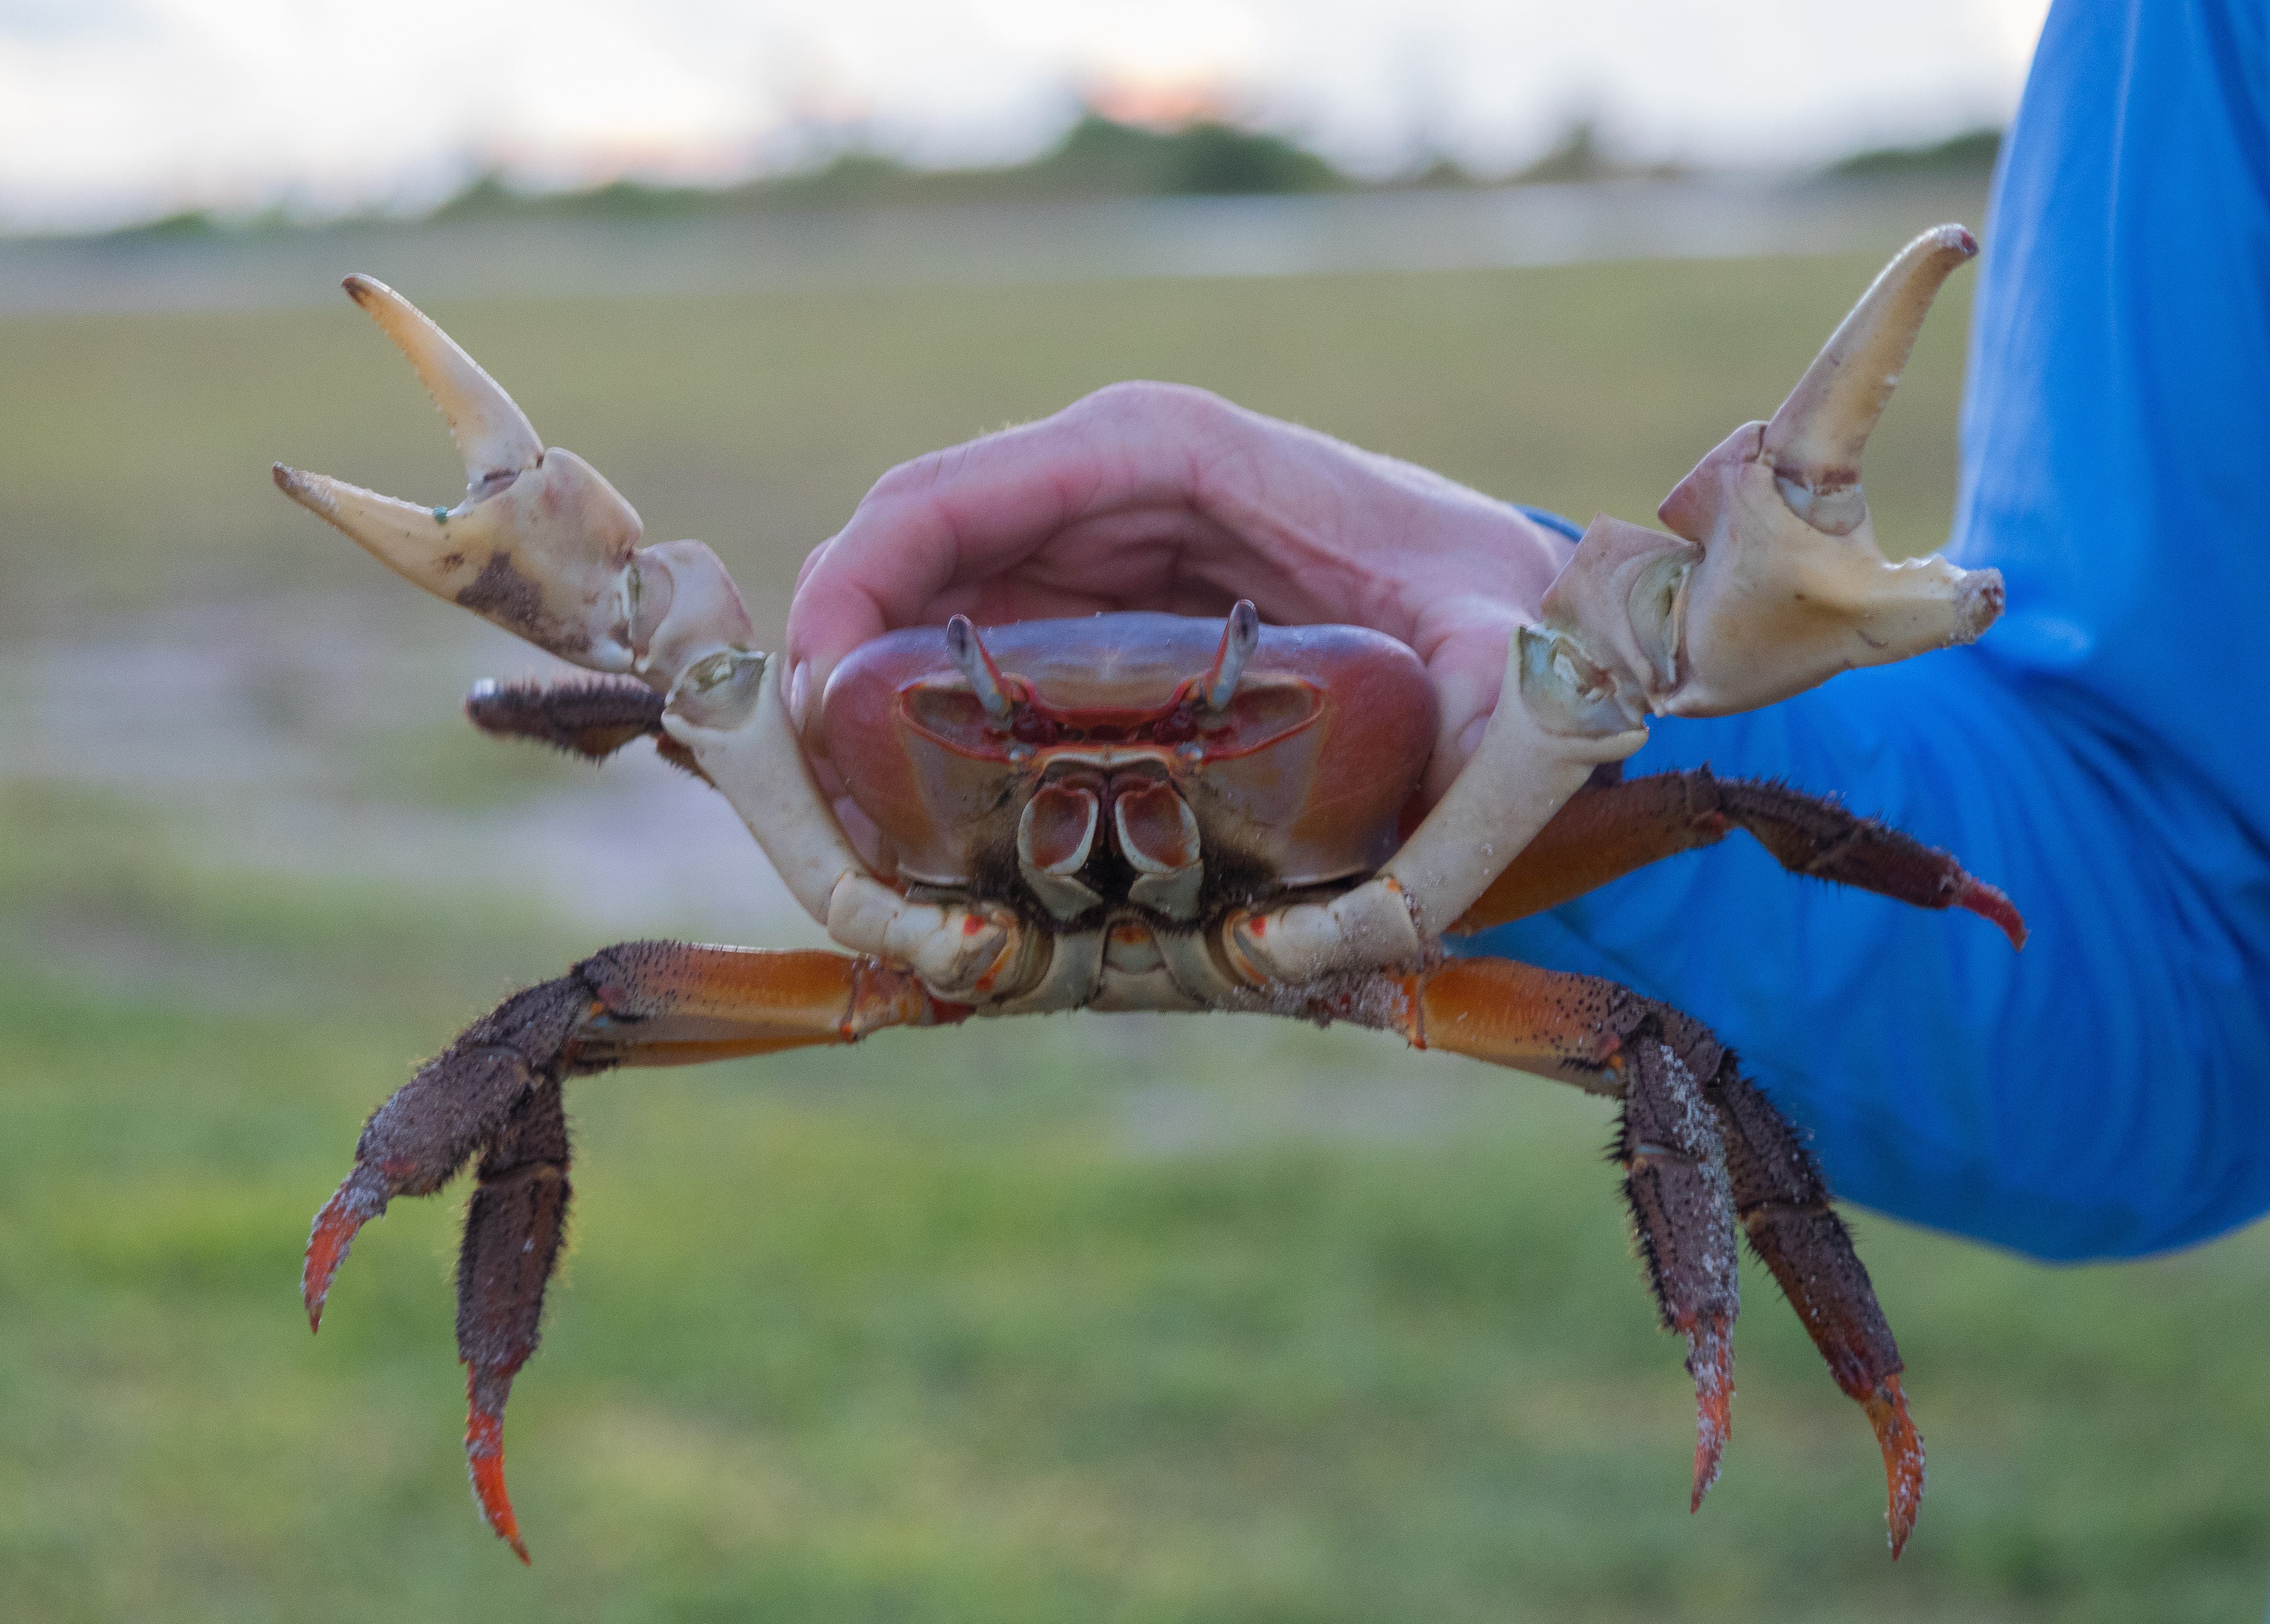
(1147, 400)
(910, 477)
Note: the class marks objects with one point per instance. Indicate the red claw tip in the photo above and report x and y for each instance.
(1902, 1447)
(1711, 1361)
(484, 1464)
(1989, 903)
(334, 1231)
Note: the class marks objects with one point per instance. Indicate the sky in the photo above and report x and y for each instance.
(117, 110)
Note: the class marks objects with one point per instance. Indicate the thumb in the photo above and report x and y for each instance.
(1463, 640)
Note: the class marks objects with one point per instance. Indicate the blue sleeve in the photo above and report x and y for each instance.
(2100, 755)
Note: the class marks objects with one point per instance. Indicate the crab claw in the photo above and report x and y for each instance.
(540, 541)
(1772, 582)
(542, 545)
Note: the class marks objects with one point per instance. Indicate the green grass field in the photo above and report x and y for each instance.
(1095, 1318)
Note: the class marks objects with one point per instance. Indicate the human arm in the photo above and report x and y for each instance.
(2098, 755)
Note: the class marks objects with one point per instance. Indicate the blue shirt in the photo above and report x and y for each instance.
(2102, 754)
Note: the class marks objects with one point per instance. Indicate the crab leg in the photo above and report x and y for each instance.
(496, 1092)
(1785, 1209)
(1606, 831)
(514, 1226)
(1676, 1184)
(1700, 1148)
(589, 719)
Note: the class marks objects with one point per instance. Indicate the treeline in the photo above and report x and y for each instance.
(1097, 158)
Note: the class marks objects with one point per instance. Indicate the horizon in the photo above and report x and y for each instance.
(115, 112)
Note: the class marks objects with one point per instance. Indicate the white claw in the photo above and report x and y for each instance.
(544, 556)
(542, 545)
(492, 434)
(1814, 441)
(1773, 582)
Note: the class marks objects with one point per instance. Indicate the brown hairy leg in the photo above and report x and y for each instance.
(1702, 1150)
(1606, 830)
(496, 1092)
(1783, 1205)
(592, 719)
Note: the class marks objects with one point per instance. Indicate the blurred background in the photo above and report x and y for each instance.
(1101, 1317)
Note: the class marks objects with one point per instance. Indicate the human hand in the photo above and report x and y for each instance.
(1164, 497)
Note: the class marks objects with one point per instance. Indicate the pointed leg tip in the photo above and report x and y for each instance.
(485, 1464)
(354, 1204)
(1991, 904)
(327, 1249)
(1904, 1459)
(1711, 1361)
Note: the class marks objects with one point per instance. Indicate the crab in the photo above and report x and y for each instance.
(1149, 811)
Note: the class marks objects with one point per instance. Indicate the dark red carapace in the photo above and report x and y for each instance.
(1302, 770)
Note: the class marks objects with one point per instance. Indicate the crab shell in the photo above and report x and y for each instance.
(1116, 777)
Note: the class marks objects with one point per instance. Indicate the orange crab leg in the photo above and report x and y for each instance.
(496, 1092)
(1702, 1149)
(1605, 831)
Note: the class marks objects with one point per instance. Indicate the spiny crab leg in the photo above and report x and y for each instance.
(1702, 1151)
(493, 1097)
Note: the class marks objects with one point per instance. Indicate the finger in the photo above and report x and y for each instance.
(978, 511)
(1463, 639)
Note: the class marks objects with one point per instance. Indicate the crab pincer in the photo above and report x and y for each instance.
(541, 544)
(1771, 580)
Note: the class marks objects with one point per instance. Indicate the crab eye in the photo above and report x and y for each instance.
(1241, 635)
(1259, 712)
(1176, 727)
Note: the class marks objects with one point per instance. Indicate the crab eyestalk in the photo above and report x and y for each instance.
(977, 669)
(1241, 635)
(1771, 582)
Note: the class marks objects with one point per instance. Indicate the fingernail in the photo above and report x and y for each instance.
(795, 694)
